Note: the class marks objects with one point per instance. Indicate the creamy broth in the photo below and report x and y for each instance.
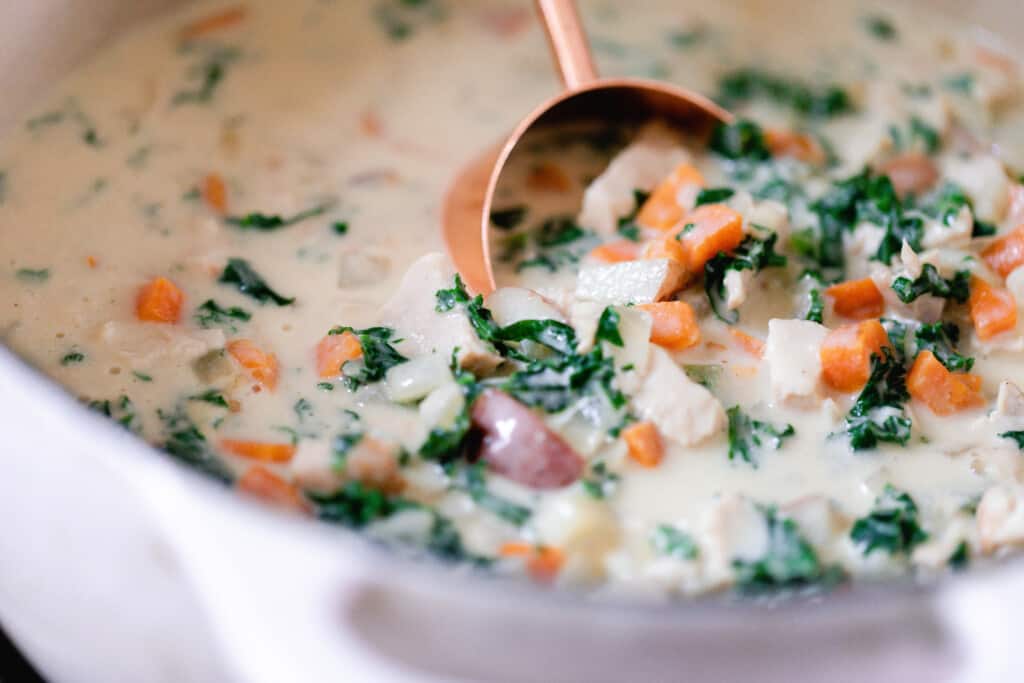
(310, 144)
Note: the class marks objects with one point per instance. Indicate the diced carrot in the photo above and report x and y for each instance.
(548, 177)
(215, 193)
(644, 443)
(335, 350)
(1006, 254)
(665, 247)
(259, 450)
(662, 211)
(911, 173)
(91, 261)
(616, 252)
(708, 230)
(943, 391)
(857, 299)
(159, 301)
(262, 367)
(789, 143)
(212, 23)
(846, 354)
(542, 562)
(752, 345)
(260, 482)
(993, 309)
(673, 324)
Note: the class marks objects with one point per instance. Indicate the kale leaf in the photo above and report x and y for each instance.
(508, 219)
(121, 410)
(743, 85)
(714, 195)
(671, 542)
(930, 282)
(752, 254)
(1017, 435)
(741, 140)
(269, 222)
(378, 355)
(601, 483)
(184, 442)
(789, 562)
(211, 314)
(941, 339)
(877, 414)
(891, 526)
(748, 436)
(239, 273)
(608, 328)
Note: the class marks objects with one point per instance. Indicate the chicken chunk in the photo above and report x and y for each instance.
(985, 182)
(640, 166)
(794, 361)
(144, 346)
(424, 330)
(684, 411)
(637, 282)
(1001, 517)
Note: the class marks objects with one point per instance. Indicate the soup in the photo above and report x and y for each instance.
(781, 358)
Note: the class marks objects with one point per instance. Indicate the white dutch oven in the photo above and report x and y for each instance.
(117, 565)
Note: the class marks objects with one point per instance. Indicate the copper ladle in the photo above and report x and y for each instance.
(466, 212)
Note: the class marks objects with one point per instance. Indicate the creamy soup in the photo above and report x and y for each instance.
(785, 357)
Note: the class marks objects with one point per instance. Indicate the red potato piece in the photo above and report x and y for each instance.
(911, 173)
(518, 445)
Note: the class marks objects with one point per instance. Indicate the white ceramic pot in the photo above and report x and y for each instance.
(117, 565)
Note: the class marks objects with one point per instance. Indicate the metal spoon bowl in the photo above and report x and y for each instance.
(467, 205)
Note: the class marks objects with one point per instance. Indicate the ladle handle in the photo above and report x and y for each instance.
(568, 41)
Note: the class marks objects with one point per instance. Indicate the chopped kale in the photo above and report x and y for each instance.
(687, 39)
(32, 275)
(891, 526)
(743, 85)
(270, 222)
(509, 218)
(789, 562)
(479, 317)
(378, 356)
(302, 409)
(184, 442)
(983, 229)
(941, 339)
(627, 225)
(815, 307)
(960, 558)
(339, 227)
(739, 141)
(927, 134)
(72, 357)
(342, 445)
(211, 314)
(752, 254)
(205, 77)
(608, 328)
(881, 27)
(142, 377)
(356, 505)
(557, 231)
(877, 414)
(930, 282)
(705, 375)
(400, 19)
(553, 384)
(121, 410)
(211, 396)
(476, 486)
(553, 334)
(747, 437)
(1017, 436)
(714, 195)
(671, 542)
(238, 272)
(601, 482)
